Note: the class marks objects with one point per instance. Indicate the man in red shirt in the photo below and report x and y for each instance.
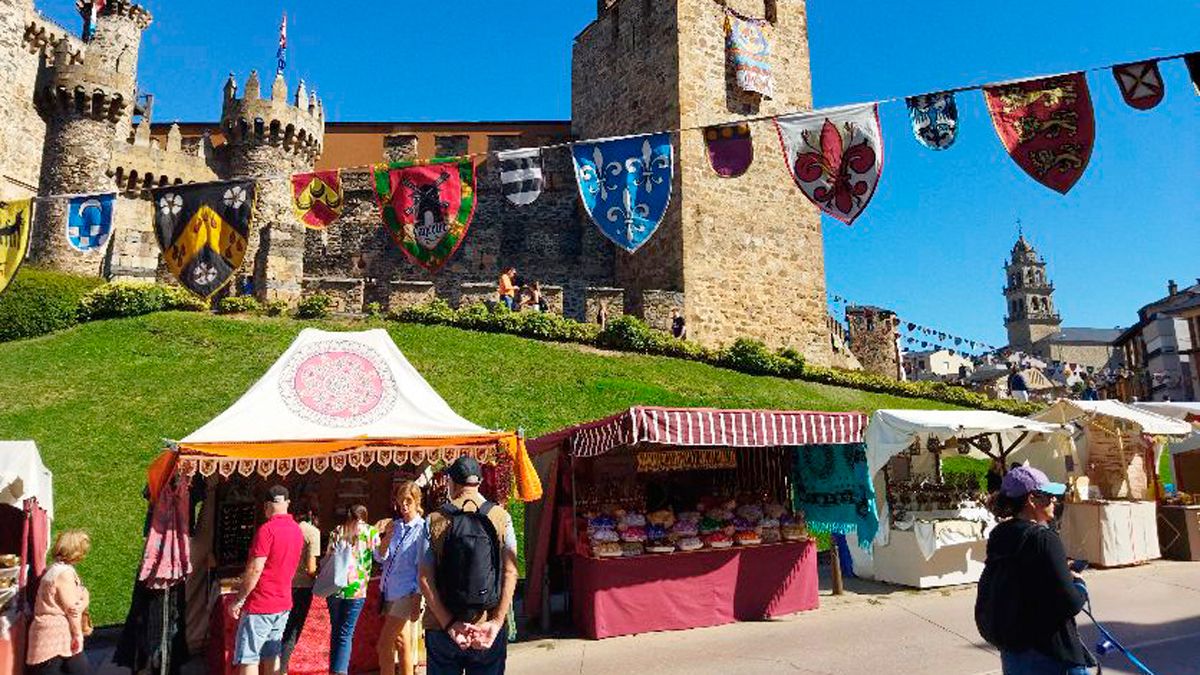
(265, 600)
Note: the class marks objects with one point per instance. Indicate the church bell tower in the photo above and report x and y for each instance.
(1030, 296)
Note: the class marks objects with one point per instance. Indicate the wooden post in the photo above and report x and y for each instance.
(836, 558)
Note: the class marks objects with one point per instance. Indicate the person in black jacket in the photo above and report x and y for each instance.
(1043, 639)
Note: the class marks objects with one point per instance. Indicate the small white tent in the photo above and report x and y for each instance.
(24, 476)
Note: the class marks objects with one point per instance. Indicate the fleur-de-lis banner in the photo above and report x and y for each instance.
(1141, 84)
(730, 150)
(626, 185)
(934, 119)
(835, 156)
(318, 198)
(16, 222)
(427, 207)
(89, 221)
(521, 174)
(202, 230)
(1047, 126)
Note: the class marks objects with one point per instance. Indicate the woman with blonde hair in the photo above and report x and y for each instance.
(57, 630)
(404, 541)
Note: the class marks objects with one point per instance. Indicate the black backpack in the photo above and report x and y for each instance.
(999, 603)
(468, 568)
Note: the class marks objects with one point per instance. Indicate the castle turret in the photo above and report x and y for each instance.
(873, 339)
(270, 139)
(85, 106)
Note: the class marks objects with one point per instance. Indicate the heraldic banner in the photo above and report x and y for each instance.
(625, 184)
(203, 230)
(317, 198)
(749, 53)
(934, 119)
(835, 156)
(89, 221)
(1047, 127)
(16, 222)
(427, 206)
(730, 150)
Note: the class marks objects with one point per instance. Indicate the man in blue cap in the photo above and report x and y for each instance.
(1027, 598)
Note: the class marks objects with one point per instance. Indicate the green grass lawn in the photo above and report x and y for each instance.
(99, 398)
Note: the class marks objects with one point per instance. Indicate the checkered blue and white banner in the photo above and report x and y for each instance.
(89, 221)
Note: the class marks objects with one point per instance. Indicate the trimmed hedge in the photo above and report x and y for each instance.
(123, 299)
(314, 307)
(238, 304)
(39, 302)
(629, 334)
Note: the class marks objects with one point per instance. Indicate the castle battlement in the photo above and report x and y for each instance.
(137, 167)
(297, 126)
(42, 36)
(69, 86)
(120, 8)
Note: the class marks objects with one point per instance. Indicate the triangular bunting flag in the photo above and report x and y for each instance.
(730, 150)
(521, 174)
(89, 221)
(934, 119)
(318, 198)
(1047, 126)
(626, 185)
(835, 156)
(1141, 84)
(750, 53)
(427, 207)
(1192, 61)
(16, 221)
(202, 230)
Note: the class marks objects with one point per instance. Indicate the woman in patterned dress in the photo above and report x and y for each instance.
(346, 604)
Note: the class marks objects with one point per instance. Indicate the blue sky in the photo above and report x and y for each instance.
(932, 242)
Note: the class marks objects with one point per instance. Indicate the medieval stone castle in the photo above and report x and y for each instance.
(739, 257)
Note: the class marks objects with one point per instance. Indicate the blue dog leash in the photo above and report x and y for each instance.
(1108, 642)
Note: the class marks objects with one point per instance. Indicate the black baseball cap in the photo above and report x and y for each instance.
(277, 494)
(465, 471)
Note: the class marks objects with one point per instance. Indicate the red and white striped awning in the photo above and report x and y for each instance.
(708, 428)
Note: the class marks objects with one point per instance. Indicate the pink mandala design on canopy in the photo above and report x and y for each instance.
(337, 383)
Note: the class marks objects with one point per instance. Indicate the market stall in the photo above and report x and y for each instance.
(26, 511)
(1179, 508)
(933, 528)
(675, 518)
(1110, 516)
(337, 419)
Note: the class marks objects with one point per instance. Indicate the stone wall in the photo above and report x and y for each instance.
(22, 128)
(658, 305)
(872, 336)
(611, 299)
(346, 293)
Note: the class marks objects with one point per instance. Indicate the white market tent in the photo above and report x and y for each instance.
(1065, 411)
(1177, 410)
(1186, 465)
(24, 476)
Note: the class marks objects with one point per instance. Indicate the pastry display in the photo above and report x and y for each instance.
(771, 535)
(632, 520)
(685, 528)
(660, 546)
(9, 560)
(747, 538)
(710, 525)
(750, 512)
(665, 518)
(793, 528)
(718, 540)
(690, 544)
(717, 523)
(633, 534)
(630, 549)
(606, 549)
(605, 535)
(774, 510)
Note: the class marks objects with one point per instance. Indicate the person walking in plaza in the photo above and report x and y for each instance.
(265, 599)
(1017, 385)
(302, 583)
(402, 545)
(1028, 597)
(346, 605)
(507, 288)
(58, 627)
(468, 578)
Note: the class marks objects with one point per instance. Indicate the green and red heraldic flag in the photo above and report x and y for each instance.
(427, 206)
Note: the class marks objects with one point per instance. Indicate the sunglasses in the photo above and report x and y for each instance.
(1044, 496)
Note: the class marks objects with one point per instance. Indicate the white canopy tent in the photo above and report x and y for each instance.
(1178, 410)
(1065, 411)
(23, 476)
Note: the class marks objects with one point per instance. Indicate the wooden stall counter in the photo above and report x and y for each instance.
(902, 562)
(1111, 534)
(627, 596)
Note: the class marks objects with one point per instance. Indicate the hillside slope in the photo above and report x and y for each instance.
(99, 398)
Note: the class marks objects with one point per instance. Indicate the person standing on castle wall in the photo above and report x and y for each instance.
(533, 299)
(678, 327)
(508, 288)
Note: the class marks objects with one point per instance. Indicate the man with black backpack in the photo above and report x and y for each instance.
(1027, 597)
(468, 578)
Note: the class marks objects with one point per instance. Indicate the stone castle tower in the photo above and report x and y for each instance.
(272, 138)
(873, 334)
(1030, 297)
(744, 254)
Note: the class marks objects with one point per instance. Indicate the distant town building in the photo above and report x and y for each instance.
(1161, 350)
(937, 364)
(1035, 326)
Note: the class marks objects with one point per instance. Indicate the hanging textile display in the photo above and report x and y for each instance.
(521, 174)
(625, 184)
(89, 221)
(835, 156)
(1141, 84)
(750, 53)
(16, 221)
(318, 198)
(1047, 126)
(730, 150)
(934, 119)
(1192, 61)
(203, 230)
(427, 207)
(832, 486)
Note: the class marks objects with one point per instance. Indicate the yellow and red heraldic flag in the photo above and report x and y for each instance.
(318, 198)
(16, 221)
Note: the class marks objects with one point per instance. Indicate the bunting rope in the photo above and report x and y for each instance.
(931, 337)
(743, 120)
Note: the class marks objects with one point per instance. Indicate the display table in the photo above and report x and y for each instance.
(311, 656)
(1111, 534)
(902, 562)
(626, 596)
(1179, 531)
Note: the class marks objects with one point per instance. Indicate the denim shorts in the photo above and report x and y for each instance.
(259, 638)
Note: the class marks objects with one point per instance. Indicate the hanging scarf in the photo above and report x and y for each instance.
(831, 484)
(167, 559)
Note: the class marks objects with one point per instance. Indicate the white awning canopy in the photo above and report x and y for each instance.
(23, 476)
(1176, 410)
(1064, 411)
